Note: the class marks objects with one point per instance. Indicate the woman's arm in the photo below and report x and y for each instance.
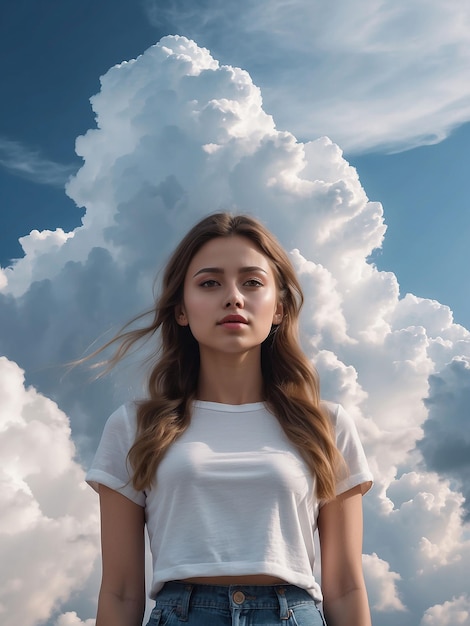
(340, 530)
(122, 595)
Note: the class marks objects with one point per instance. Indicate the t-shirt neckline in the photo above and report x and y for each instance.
(228, 408)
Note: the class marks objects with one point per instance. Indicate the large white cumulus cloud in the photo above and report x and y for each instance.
(178, 135)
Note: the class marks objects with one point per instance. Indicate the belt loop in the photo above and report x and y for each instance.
(182, 609)
(283, 606)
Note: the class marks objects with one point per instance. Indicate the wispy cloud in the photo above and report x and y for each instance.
(370, 75)
(31, 164)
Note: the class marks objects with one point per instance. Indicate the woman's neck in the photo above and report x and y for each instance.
(231, 379)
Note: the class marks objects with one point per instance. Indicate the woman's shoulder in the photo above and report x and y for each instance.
(341, 420)
(123, 419)
(350, 446)
(332, 409)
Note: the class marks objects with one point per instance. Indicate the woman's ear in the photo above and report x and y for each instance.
(278, 314)
(180, 315)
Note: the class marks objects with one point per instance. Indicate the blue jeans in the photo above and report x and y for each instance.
(184, 604)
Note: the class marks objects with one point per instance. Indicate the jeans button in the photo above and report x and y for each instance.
(238, 597)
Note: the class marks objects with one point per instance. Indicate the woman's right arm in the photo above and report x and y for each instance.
(122, 594)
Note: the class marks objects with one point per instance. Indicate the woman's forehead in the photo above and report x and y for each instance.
(230, 251)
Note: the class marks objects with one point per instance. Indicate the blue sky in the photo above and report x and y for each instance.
(427, 211)
(56, 54)
(166, 132)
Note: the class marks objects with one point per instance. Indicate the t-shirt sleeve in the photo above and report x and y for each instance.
(357, 470)
(110, 467)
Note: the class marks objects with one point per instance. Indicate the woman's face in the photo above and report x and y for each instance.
(230, 299)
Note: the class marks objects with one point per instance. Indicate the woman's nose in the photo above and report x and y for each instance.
(234, 299)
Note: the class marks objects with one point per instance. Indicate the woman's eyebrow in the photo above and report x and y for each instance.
(219, 270)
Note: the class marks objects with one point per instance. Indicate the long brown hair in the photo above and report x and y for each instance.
(291, 386)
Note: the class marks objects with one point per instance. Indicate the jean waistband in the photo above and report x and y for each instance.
(183, 595)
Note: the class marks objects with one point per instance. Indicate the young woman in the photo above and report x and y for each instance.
(232, 461)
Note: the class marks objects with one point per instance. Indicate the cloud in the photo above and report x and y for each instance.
(421, 542)
(455, 612)
(37, 246)
(178, 135)
(381, 584)
(72, 619)
(32, 165)
(374, 75)
(49, 524)
(446, 442)
(437, 536)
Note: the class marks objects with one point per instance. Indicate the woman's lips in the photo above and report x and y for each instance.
(233, 321)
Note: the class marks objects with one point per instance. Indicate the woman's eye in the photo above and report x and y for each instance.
(253, 282)
(209, 283)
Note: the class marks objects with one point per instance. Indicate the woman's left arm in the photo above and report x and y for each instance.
(345, 600)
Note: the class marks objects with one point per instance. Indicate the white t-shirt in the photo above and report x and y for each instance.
(232, 495)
